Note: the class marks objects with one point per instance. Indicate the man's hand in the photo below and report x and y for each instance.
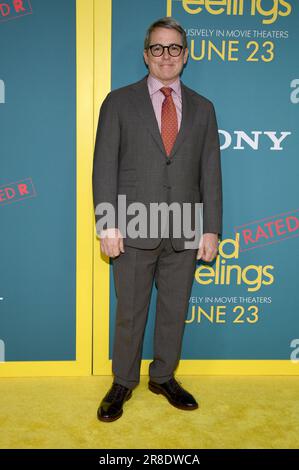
(112, 243)
(208, 247)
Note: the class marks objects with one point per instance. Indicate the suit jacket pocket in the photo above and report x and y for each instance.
(129, 190)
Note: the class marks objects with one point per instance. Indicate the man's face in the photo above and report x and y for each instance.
(165, 68)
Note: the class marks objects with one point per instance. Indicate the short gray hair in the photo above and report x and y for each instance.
(168, 23)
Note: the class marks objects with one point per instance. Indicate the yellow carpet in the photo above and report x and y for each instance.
(235, 412)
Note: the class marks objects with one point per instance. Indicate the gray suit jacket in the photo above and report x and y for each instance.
(130, 159)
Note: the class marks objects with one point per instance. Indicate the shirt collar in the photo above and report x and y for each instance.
(154, 85)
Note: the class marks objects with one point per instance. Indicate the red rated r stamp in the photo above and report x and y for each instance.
(18, 191)
(269, 230)
(12, 9)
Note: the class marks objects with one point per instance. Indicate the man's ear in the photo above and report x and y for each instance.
(186, 53)
(145, 56)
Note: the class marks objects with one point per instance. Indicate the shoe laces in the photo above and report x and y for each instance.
(175, 385)
(116, 392)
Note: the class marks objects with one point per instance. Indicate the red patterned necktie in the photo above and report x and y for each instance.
(169, 120)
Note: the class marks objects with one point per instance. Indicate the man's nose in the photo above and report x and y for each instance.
(166, 54)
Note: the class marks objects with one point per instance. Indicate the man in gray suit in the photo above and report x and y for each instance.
(157, 142)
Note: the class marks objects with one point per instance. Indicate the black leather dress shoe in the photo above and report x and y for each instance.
(175, 394)
(111, 407)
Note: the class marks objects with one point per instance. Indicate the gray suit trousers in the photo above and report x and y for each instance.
(134, 273)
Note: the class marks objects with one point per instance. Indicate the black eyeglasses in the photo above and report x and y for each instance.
(173, 49)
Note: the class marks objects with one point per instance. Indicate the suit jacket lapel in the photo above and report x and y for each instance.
(147, 113)
(186, 123)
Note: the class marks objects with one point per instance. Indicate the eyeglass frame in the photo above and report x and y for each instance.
(166, 47)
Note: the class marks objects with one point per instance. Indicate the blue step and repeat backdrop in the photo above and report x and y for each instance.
(38, 180)
(244, 58)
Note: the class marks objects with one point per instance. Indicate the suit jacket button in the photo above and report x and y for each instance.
(168, 162)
